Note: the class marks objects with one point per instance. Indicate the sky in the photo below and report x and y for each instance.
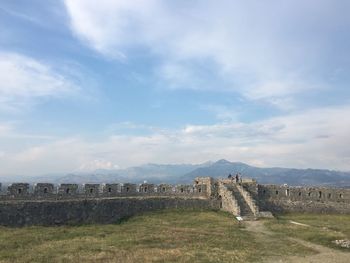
(108, 84)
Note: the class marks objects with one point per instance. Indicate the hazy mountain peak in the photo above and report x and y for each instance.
(222, 162)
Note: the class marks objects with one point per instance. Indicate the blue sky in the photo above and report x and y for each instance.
(103, 84)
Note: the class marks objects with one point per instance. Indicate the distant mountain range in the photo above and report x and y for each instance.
(274, 175)
(185, 173)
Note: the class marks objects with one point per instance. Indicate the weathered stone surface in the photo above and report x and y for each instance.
(129, 188)
(18, 190)
(44, 190)
(66, 190)
(165, 188)
(92, 190)
(210, 185)
(147, 188)
(303, 199)
(184, 189)
(111, 189)
(110, 210)
(228, 202)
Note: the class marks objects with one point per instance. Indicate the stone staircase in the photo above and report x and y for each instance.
(237, 200)
(246, 211)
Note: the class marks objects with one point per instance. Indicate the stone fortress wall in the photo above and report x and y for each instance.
(47, 191)
(46, 204)
(302, 199)
(23, 204)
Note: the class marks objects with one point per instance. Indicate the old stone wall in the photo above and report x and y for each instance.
(207, 184)
(303, 199)
(252, 188)
(98, 210)
(47, 204)
(47, 191)
(228, 201)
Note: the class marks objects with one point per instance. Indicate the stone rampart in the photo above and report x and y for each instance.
(48, 204)
(98, 210)
(277, 198)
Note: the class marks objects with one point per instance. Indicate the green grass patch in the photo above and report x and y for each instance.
(164, 236)
(321, 229)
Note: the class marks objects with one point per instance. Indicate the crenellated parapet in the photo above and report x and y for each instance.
(284, 198)
(41, 191)
(244, 197)
(285, 192)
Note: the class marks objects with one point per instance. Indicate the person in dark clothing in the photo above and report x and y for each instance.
(237, 178)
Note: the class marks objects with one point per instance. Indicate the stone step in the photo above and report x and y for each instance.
(249, 218)
(244, 207)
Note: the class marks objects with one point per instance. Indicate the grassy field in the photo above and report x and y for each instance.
(168, 236)
(319, 229)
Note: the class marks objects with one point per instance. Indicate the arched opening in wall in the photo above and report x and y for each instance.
(145, 189)
(127, 189)
(199, 190)
(163, 189)
(67, 191)
(329, 195)
(340, 196)
(45, 190)
(299, 193)
(309, 194)
(287, 192)
(276, 192)
(220, 201)
(19, 191)
(91, 190)
(109, 190)
(182, 190)
(319, 194)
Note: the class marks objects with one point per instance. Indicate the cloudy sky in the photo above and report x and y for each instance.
(88, 84)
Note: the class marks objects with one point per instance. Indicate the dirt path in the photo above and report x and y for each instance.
(324, 254)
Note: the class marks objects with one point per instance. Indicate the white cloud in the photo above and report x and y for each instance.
(94, 23)
(315, 138)
(257, 48)
(24, 79)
